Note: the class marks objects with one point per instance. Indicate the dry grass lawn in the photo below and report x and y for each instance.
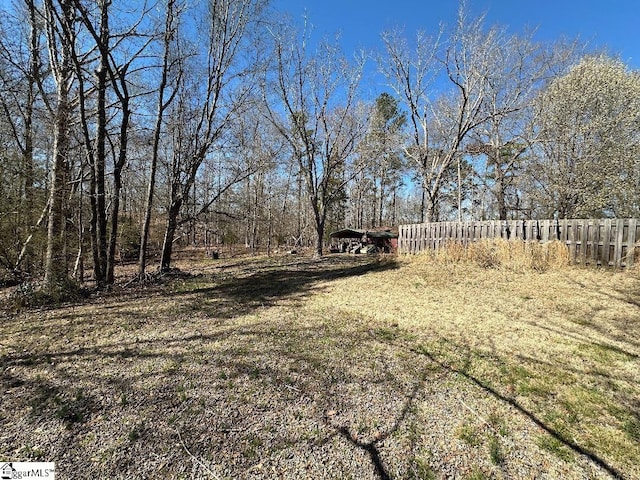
(344, 367)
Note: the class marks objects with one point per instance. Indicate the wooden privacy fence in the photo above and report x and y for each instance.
(607, 242)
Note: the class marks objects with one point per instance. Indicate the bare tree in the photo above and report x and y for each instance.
(440, 123)
(314, 107)
(22, 76)
(383, 155)
(172, 69)
(112, 74)
(519, 69)
(411, 74)
(21, 82)
(204, 109)
(60, 26)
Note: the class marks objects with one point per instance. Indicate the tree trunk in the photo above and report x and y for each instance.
(270, 225)
(144, 232)
(430, 207)
(374, 202)
(78, 268)
(169, 235)
(394, 208)
(459, 173)
(93, 225)
(32, 85)
(500, 186)
(56, 271)
(115, 213)
(423, 216)
(381, 204)
(100, 157)
(318, 251)
(319, 215)
(117, 182)
(56, 274)
(500, 199)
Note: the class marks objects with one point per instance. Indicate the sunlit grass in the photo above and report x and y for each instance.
(550, 351)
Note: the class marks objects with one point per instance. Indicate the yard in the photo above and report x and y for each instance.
(344, 367)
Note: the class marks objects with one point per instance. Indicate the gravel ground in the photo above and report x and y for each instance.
(206, 383)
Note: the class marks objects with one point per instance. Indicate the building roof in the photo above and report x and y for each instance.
(356, 233)
(348, 233)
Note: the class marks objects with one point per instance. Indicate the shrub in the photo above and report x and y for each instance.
(33, 294)
(129, 240)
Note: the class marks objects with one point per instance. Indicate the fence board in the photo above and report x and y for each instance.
(545, 230)
(631, 242)
(606, 242)
(582, 235)
(595, 245)
(618, 245)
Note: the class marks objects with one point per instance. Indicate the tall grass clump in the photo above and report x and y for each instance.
(518, 255)
(513, 255)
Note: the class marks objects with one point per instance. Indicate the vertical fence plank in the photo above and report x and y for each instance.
(583, 238)
(631, 242)
(560, 231)
(517, 229)
(406, 231)
(570, 234)
(545, 230)
(433, 236)
(597, 238)
(414, 238)
(606, 242)
(618, 242)
(407, 241)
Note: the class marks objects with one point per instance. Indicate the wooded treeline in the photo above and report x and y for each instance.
(129, 127)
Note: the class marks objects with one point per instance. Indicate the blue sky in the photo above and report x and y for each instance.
(611, 24)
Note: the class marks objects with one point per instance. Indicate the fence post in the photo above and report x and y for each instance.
(545, 230)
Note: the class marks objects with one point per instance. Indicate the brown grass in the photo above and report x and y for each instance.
(345, 367)
(513, 255)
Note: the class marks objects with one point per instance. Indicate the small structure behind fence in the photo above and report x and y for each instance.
(607, 242)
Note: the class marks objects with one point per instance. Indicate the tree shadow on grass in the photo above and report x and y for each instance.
(228, 400)
(372, 447)
(223, 400)
(240, 292)
(619, 327)
(216, 398)
(563, 439)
